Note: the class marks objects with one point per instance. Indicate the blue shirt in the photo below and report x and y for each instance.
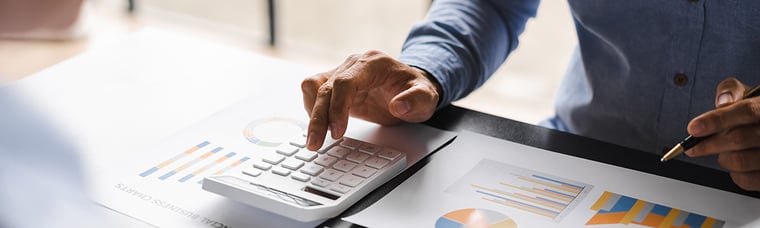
(642, 71)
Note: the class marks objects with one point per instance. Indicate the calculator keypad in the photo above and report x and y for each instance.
(338, 168)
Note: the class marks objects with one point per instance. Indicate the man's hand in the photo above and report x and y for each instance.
(736, 125)
(372, 86)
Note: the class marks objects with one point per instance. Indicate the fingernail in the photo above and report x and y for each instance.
(334, 130)
(724, 98)
(697, 127)
(402, 107)
(310, 139)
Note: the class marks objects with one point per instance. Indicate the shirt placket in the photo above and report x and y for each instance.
(688, 28)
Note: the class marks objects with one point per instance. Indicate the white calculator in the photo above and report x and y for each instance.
(311, 185)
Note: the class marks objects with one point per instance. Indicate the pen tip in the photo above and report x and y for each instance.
(677, 150)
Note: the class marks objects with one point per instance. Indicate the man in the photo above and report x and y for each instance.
(645, 74)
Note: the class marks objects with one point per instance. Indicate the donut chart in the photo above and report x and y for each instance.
(272, 132)
(465, 217)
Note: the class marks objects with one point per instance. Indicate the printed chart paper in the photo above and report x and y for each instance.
(542, 194)
(482, 181)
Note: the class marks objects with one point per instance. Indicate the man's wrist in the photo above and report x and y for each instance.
(433, 81)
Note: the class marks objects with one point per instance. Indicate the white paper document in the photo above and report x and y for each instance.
(164, 187)
(480, 181)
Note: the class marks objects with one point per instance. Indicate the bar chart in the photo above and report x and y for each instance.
(194, 163)
(521, 189)
(613, 208)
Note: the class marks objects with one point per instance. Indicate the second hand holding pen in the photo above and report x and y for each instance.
(691, 141)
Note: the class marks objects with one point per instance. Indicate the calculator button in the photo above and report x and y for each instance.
(312, 169)
(325, 160)
(306, 155)
(320, 182)
(377, 163)
(364, 171)
(280, 171)
(262, 165)
(331, 175)
(292, 163)
(357, 157)
(286, 149)
(340, 188)
(339, 151)
(351, 181)
(370, 148)
(389, 154)
(252, 172)
(273, 158)
(344, 165)
(299, 141)
(300, 177)
(351, 143)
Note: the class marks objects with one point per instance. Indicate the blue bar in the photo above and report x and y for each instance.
(548, 200)
(556, 181)
(167, 175)
(549, 190)
(186, 177)
(149, 171)
(204, 143)
(217, 149)
(518, 202)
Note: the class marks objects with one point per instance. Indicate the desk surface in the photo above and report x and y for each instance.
(456, 119)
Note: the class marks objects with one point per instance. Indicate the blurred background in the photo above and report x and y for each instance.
(318, 34)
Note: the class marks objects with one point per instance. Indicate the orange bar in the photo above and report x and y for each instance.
(571, 189)
(606, 218)
(709, 223)
(633, 212)
(523, 207)
(668, 221)
(601, 201)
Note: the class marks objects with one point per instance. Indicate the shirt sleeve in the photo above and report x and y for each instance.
(461, 43)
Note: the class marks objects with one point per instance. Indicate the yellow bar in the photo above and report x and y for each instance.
(557, 186)
(199, 171)
(633, 212)
(601, 201)
(191, 150)
(183, 167)
(668, 221)
(523, 207)
(540, 202)
(167, 162)
(552, 195)
(517, 195)
(207, 154)
(709, 223)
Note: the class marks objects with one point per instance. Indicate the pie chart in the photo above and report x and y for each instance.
(272, 132)
(472, 217)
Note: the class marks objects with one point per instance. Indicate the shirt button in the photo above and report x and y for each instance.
(680, 79)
